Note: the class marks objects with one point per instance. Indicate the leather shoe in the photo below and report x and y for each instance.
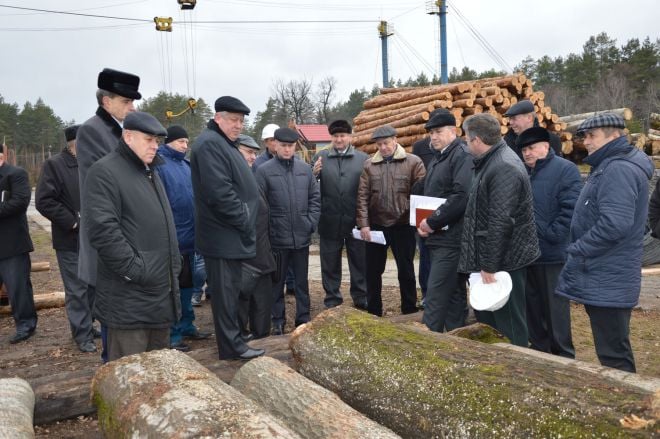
(21, 336)
(198, 335)
(87, 346)
(181, 347)
(277, 330)
(251, 353)
(360, 305)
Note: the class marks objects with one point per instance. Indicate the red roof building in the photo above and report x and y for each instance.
(317, 134)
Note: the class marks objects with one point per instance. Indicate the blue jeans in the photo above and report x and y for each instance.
(185, 324)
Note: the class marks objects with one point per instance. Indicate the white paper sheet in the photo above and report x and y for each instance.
(423, 202)
(377, 237)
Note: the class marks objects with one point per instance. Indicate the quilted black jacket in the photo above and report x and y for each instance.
(499, 233)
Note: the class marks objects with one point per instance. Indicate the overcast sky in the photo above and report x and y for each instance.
(58, 57)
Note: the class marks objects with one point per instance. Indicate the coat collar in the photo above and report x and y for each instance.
(70, 159)
(350, 150)
(126, 152)
(399, 154)
(618, 146)
(541, 163)
(479, 162)
(109, 120)
(214, 127)
(166, 151)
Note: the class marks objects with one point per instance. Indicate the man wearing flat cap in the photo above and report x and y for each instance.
(448, 176)
(295, 205)
(338, 169)
(604, 253)
(58, 198)
(130, 225)
(226, 206)
(384, 204)
(174, 172)
(556, 185)
(97, 137)
(522, 116)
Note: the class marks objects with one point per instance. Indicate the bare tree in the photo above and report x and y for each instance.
(294, 98)
(324, 96)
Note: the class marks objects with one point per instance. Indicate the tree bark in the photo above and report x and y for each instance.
(16, 409)
(626, 113)
(40, 266)
(423, 384)
(167, 394)
(41, 301)
(302, 405)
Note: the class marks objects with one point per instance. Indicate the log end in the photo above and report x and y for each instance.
(480, 332)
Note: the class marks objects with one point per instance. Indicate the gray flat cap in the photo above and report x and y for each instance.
(286, 135)
(144, 122)
(522, 107)
(382, 132)
(248, 141)
(231, 105)
(601, 121)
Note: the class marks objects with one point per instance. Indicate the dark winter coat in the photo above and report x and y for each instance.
(339, 180)
(226, 197)
(448, 176)
(385, 188)
(261, 159)
(499, 233)
(556, 185)
(174, 172)
(510, 138)
(605, 250)
(95, 138)
(654, 211)
(14, 233)
(263, 262)
(423, 150)
(131, 227)
(294, 199)
(58, 198)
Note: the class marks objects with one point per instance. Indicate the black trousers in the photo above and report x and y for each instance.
(510, 320)
(331, 270)
(124, 342)
(255, 303)
(15, 273)
(445, 305)
(548, 314)
(401, 239)
(611, 330)
(298, 260)
(224, 279)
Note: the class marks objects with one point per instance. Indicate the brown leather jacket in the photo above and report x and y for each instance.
(384, 192)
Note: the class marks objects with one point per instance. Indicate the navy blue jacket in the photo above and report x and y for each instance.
(556, 186)
(603, 265)
(175, 174)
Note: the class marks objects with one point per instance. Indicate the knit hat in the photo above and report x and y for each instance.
(176, 132)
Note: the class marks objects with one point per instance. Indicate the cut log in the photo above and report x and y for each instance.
(566, 147)
(423, 384)
(395, 104)
(654, 134)
(16, 409)
(40, 266)
(366, 117)
(302, 405)
(654, 121)
(626, 113)
(168, 394)
(41, 301)
(424, 115)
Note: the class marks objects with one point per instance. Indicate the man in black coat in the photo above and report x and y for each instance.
(499, 233)
(130, 226)
(448, 176)
(226, 205)
(58, 199)
(295, 204)
(338, 171)
(16, 246)
(423, 150)
(522, 117)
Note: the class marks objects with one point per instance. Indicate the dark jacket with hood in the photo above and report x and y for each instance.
(58, 198)
(499, 233)
(131, 227)
(605, 249)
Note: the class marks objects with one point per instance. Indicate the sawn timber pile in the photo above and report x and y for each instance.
(407, 109)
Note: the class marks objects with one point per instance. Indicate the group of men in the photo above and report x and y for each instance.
(138, 228)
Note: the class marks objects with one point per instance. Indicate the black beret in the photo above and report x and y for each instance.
(244, 139)
(70, 132)
(176, 132)
(602, 120)
(121, 83)
(231, 105)
(286, 135)
(531, 136)
(522, 107)
(384, 131)
(145, 123)
(340, 126)
(440, 118)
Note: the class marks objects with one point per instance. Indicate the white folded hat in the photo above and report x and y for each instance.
(490, 297)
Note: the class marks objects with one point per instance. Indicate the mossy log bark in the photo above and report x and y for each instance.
(302, 405)
(168, 394)
(423, 384)
(16, 409)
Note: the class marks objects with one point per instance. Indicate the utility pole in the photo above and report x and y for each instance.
(385, 31)
(439, 7)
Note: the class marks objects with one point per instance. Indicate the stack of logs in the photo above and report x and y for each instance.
(407, 109)
(653, 136)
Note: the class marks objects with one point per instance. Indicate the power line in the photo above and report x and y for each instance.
(415, 53)
(78, 14)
